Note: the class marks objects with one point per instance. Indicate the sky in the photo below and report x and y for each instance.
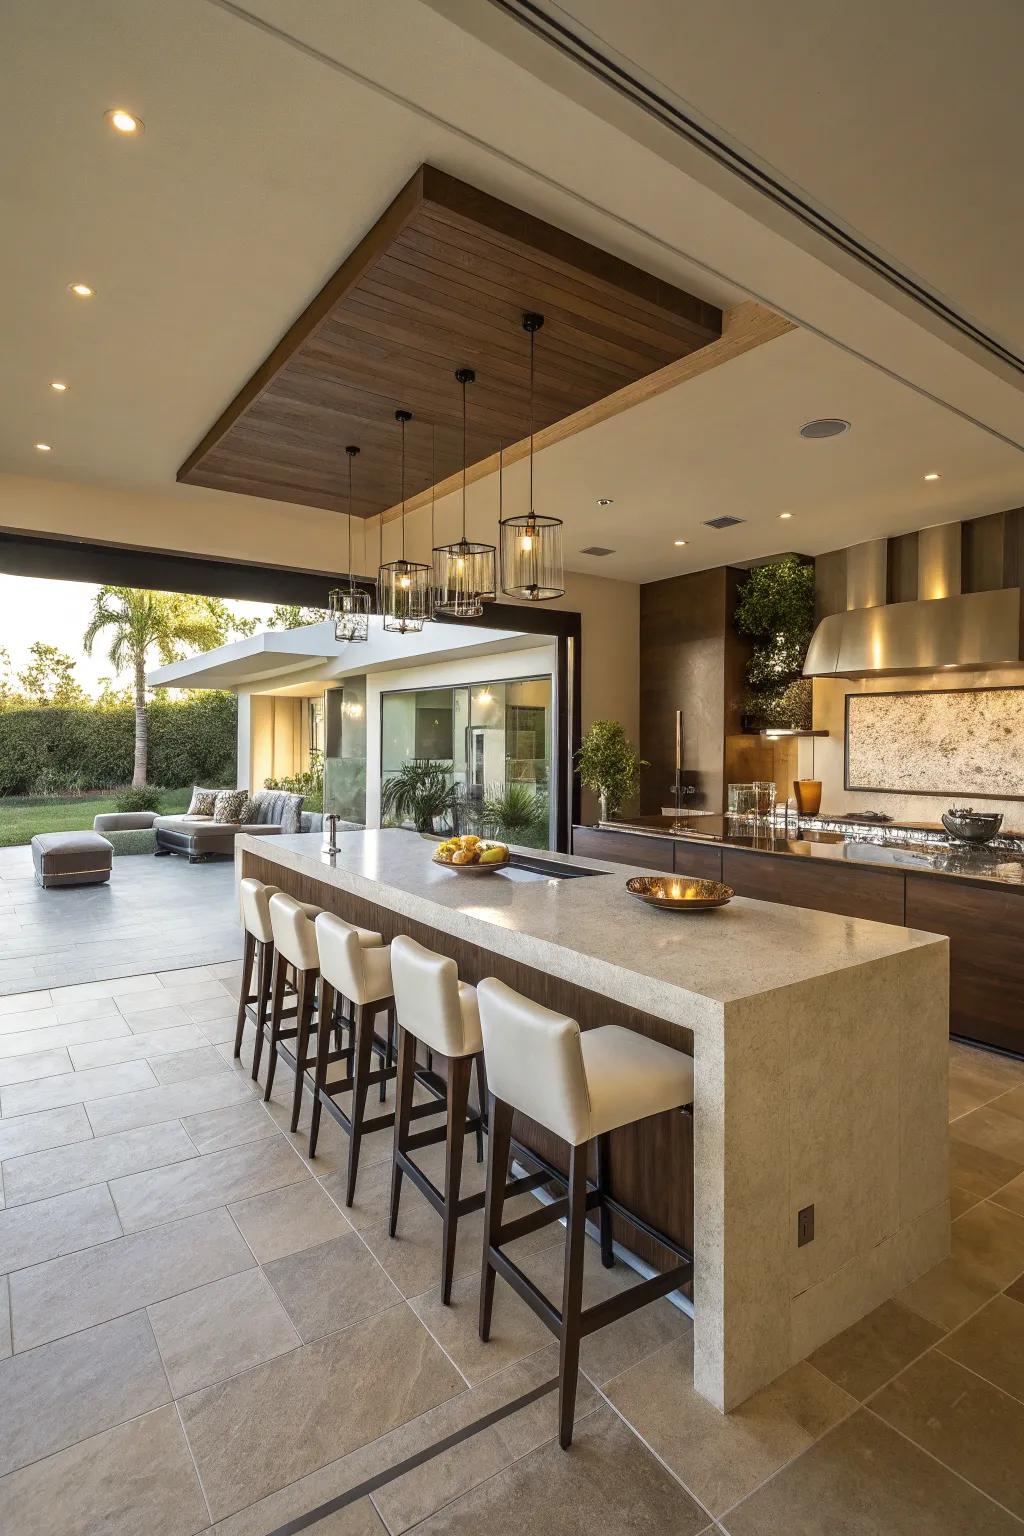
(58, 612)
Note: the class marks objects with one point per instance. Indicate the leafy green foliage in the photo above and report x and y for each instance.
(49, 677)
(138, 798)
(21, 818)
(295, 616)
(87, 746)
(516, 814)
(310, 784)
(420, 792)
(776, 609)
(609, 764)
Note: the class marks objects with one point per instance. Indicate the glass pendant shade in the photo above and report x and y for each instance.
(464, 572)
(348, 605)
(531, 546)
(403, 586)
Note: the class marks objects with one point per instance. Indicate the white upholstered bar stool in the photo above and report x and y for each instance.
(258, 947)
(439, 1011)
(360, 972)
(291, 923)
(580, 1086)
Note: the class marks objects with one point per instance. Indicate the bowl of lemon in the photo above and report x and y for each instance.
(471, 855)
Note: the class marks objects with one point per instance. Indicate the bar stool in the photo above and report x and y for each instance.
(438, 1010)
(258, 945)
(291, 923)
(580, 1087)
(360, 972)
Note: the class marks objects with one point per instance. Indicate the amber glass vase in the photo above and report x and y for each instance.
(808, 796)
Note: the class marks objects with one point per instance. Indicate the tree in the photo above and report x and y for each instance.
(49, 677)
(140, 622)
(294, 616)
(609, 763)
(7, 692)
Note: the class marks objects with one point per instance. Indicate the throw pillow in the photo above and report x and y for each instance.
(230, 804)
(202, 802)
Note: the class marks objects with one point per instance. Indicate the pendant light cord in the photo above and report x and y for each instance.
(464, 383)
(433, 482)
(402, 419)
(533, 338)
(350, 458)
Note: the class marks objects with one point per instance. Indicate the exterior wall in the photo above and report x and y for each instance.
(271, 733)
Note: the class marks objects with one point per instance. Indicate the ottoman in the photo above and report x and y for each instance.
(71, 858)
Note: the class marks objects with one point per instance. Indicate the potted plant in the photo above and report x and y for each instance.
(609, 763)
(420, 792)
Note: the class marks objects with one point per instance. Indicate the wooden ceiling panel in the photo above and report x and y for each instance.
(441, 282)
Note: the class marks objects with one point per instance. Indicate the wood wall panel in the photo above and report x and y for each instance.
(824, 887)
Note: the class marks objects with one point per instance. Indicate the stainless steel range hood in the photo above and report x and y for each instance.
(944, 628)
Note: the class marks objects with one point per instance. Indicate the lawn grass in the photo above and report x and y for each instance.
(20, 819)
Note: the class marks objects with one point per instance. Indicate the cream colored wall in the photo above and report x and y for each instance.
(830, 714)
(276, 732)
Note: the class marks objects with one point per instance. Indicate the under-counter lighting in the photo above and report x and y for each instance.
(123, 121)
(932, 476)
(43, 447)
(81, 290)
(58, 386)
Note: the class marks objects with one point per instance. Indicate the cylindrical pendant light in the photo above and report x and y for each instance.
(349, 605)
(464, 571)
(403, 586)
(531, 545)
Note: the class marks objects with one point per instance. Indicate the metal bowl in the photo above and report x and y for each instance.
(972, 826)
(679, 893)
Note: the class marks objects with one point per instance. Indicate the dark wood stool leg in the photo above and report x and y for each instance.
(325, 1028)
(481, 1094)
(572, 1294)
(605, 1215)
(499, 1141)
(389, 1050)
(276, 1010)
(460, 1070)
(306, 982)
(248, 952)
(404, 1085)
(360, 1070)
(264, 967)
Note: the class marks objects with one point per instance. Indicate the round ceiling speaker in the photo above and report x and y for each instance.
(825, 426)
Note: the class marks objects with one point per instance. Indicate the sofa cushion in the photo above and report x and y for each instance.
(202, 802)
(123, 821)
(230, 804)
(278, 808)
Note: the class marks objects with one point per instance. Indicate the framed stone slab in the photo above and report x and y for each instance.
(964, 742)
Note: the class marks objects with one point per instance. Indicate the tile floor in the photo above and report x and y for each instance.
(195, 1336)
(63, 937)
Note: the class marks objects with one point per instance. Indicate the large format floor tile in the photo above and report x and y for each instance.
(26, 1066)
(59, 1297)
(992, 1345)
(130, 1110)
(723, 1457)
(609, 1485)
(129, 1047)
(331, 1286)
(75, 1088)
(49, 1128)
(40, 1174)
(185, 1066)
(276, 1423)
(47, 1228)
(987, 1254)
(135, 1479)
(62, 1392)
(220, 1329)
(868, 1354)
(283, 1221)
(243, 1120)
(165, 1194)
(515, 1330)
(55, 1036)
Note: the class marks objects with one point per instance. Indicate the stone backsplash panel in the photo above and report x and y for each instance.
(955, 742)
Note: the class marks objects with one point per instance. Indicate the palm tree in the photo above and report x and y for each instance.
(140, 622)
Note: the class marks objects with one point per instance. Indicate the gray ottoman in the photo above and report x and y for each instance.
(71, 858)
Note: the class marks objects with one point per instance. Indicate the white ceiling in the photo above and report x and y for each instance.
(274, 140)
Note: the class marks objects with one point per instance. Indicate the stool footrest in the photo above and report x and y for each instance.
(430, 1191)
(543, 1216)
(614, 1307)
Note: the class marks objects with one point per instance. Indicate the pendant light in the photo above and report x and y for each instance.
(349, 605)
(464, 571)
(403, 586)
(531, 546)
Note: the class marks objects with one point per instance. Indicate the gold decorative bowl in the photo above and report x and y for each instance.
(471, 869)
(679, 893)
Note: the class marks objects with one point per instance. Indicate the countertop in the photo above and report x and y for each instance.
(973, 864)
(590, 931)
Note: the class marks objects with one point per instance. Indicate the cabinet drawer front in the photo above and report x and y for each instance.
(986, 956)
(797, 882)
(698, 860)
(623, 848)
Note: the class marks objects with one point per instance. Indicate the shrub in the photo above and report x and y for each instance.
(310, 784)
(138, 841)
(132, 799)
(776, 609)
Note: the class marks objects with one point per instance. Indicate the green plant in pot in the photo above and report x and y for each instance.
(420, 792)
(609, 764)
(517, 814)
(776, 609)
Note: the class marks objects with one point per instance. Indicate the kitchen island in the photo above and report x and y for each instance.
(819, 1046)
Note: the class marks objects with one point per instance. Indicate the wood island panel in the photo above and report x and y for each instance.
(651, 1162)
(701, 860)
(824, 887)
(624, 848)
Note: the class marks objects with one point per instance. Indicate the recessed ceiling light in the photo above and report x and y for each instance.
(81, 290)
(679, 543)
(932, 476)
(43, 447)
(606, 501)
(123, 121)
(58, 385)
(785, 516)
(824, 426)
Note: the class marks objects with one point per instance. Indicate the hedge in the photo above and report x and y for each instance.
(49, 750)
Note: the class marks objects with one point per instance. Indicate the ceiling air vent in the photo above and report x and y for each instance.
(825, 426)
(596, 549)
(723, 522)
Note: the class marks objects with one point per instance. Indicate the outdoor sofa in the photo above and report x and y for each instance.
(270, 812)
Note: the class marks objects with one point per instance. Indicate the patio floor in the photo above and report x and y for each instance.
(152, 915)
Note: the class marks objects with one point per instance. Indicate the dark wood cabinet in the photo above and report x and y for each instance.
(985, 928)
(702, 861)
(849, 890)
(623, 848)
